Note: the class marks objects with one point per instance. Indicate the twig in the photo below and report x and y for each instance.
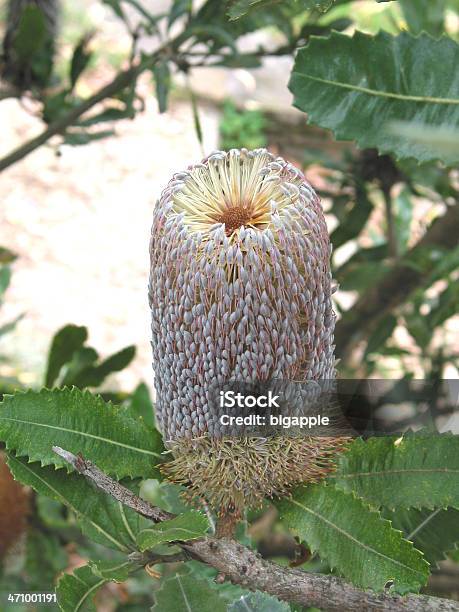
(243, 566)
(113, 488)
(390, 220)
(122, 80)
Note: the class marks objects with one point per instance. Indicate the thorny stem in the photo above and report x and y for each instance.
(246, 568)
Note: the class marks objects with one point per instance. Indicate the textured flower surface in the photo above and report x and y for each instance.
(240, 289)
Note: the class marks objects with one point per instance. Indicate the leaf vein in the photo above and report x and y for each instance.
(84, 434)
(381, 94)
(353, 539)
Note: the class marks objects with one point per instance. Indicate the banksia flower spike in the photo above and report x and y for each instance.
(240, 289)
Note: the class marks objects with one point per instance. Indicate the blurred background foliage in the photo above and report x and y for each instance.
(397, 304)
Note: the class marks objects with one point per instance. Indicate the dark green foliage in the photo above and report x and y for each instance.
(161, 73)
(418, 471)
(70, 362)
(29, 43)
(353, 539)
(435, 532)
(336, 71)
(185, 592)
(31, 423)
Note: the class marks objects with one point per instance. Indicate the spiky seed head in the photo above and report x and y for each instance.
(240, 288)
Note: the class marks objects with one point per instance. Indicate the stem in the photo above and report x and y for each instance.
(122, 80)
(391, 238)
(113, 488)
(245, 567)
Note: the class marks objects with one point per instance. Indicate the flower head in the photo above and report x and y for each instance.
(240, 289)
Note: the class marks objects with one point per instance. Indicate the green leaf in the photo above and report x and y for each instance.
(243, 60)
(52, 513)
(442, 141)
(116, 570)
(7, 256)
(31, 423)
(418, 471)
(356, 541)
(381, 334)
(108, 114)
(116, 7)
(196, 118)
(80, 59)
(363, 277)
(334, 81)
(94, 376)
(5, 277)
(140, 405)
(403, 215)
(165, 494)
(242, 7)
(75, 592)
(435, 532)
(446, 306)
(162, 76)
(100, 517)
(355, 219)
(258, 602)
(418, 328)
(81, 361)
(45, 559)
(189, 526)
(186, 592)
(177, 10)
(65, 343)
(31, 32)
(424, 15)
(78, 138)
(8, 327)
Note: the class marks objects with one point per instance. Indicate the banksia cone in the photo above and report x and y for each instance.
(240, 289)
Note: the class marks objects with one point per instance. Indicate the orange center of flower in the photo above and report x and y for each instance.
(233, 218)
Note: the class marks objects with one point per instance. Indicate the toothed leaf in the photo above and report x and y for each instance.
(435, 532)
(32, 423)
(99, 516)
(355, 540)
(75, 592)
(335, 82)
(420, 471)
